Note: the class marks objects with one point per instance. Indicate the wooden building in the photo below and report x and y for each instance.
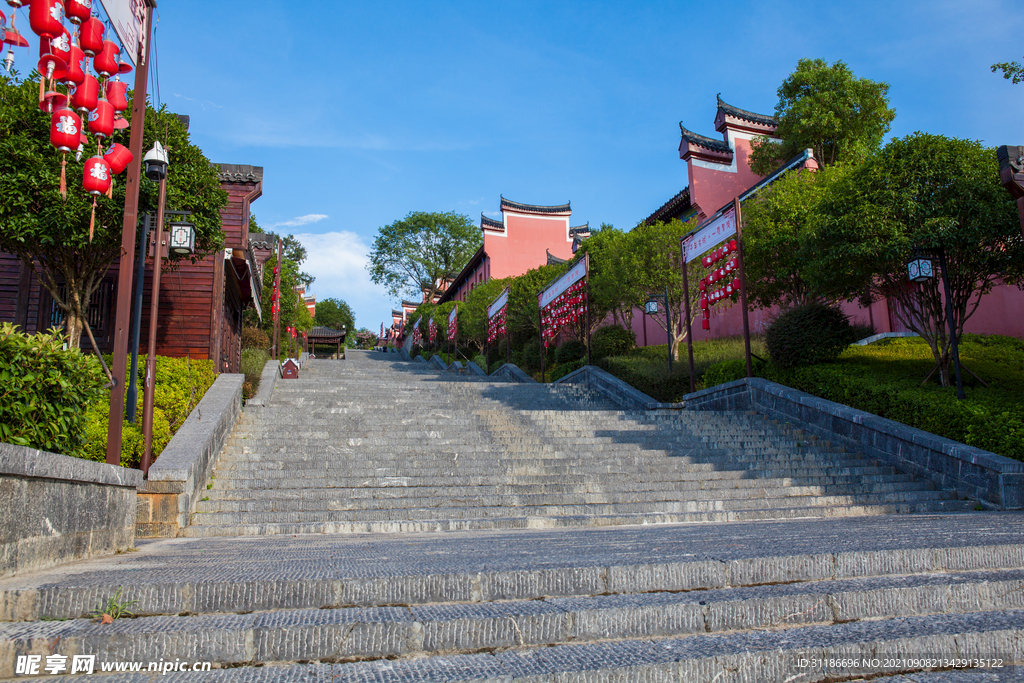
(201, 303)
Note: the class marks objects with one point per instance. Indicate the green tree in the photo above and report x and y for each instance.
(415, 254)
(335, 314)
(293, 310)
(50, 233)
(655, 261)
(473, 312)
(928, 192)
(826, 108)
(779, 225)
(1012, 71)
(612, 282)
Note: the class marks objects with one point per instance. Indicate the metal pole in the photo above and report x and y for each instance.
(149, 382)
(668, 323)
(508, 347)
(743, 286)
(952, 327)
(540, 336)
(689, 331)
(122, 314)
(277, 313)
(132, 392)
(587, 290)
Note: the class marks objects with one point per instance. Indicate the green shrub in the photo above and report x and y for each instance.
(562, 369)
(611, 340)
(180, 385)
(724, 371)
(569, 351)
(808, 334)
(650, 376)
(481, 361)
(45, 390)
(253, 362)
(255, 338)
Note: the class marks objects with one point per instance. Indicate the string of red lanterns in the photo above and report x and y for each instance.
(433, 331)
(496, 326)
(727, 273)
(565, 309)
(88, 102)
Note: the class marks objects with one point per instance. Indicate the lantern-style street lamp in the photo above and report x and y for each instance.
(183, 237)
(920, 270)
(651, 307)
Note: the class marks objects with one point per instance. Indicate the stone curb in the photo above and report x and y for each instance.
(20, 461)
(512, 373)
(268, 380)
(420, 359)
(994, 480)
(183, 468)
(884, 335)
(475, 369)
(615, 389)
(455, 367)
(438, 363)
(405, 355)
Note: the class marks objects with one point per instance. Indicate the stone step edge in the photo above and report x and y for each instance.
(64, 600)
(264, 638)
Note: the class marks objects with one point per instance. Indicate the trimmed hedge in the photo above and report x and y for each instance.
(45, 390)
(808, 334)
(650, 376)
(611, 340)
(569, 351)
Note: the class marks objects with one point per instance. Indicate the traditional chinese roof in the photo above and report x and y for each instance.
(258, 240)
(554, 260)
(703, 141)
(490, 224)
(580, 229)
(673, 208)
(396, 313)
(239, 173)
(325, 333)
(410, 304)
(1011, 156)
(463, 275)
(753, 117)
(533, 208)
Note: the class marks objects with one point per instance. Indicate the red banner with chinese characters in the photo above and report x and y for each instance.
(453, 324)
(496, 315)
(433, 331)
(565, 309)
(416, 336)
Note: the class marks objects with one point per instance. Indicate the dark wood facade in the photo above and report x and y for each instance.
(201, 303)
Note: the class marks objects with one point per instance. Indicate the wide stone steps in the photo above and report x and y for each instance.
(375, 633)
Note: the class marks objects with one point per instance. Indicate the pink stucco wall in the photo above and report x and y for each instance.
(712, 186)
(525, 243)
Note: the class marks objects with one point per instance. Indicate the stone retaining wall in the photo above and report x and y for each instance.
(268, 380)
(994, 480)
(178, 477)
(512, 373)
(614, 388)
(56, 509)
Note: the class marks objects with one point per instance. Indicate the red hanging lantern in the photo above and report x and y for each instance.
(705, 324)
(46, 17)
(75, 72)
(704, 302)
(59, 46)
(101, 119)
(115, 91)
(734, 245)
(86, 94)
(118, 157)
(65, 131)
(736, 284)
(105, 61)
(123, 66)
(78, 11)
(52, 100)
(703, 285)
(96, 181)
(90, 36)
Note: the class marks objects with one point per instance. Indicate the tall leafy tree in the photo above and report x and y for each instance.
(293, 311)
(825, 107)
(415, 254)
(50, 233)
(655, 263)
(1012, 71)
(921, 192)
(612, 283)
(335, 314)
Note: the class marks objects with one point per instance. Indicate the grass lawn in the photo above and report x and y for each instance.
(882, 378)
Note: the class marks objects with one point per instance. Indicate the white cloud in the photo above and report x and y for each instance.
(338, 262)
(302, 220)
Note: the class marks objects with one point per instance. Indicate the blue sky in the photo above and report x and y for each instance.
(362, 112)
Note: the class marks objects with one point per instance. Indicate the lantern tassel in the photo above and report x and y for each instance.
(110, 190)
(92, 219)
(63, 176)
(42, 88)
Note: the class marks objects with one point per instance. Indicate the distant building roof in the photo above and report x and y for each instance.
(239, 173)
(703, 140)
(325, 333)
(675, 207)
(463, 275)
(533, 208)
(554, 260)
(490, 224)
(753, 117)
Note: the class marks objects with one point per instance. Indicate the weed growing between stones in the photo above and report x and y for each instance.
(114, 608)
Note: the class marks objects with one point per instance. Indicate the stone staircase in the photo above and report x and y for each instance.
(371, 444)
(553, 565)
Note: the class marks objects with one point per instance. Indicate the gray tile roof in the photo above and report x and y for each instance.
(703, 141)
(554, 260)
(673, 208)
(533, 208)
(240, 173)
(490, 223)
(753, 117)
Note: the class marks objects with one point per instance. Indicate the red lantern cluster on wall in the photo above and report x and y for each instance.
(725, 273)
(496, 325)
(565, 309)
(88, 102)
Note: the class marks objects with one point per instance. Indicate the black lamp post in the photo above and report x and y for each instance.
(651, 308)
(920, 270)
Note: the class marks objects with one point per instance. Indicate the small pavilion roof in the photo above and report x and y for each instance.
(325, 333)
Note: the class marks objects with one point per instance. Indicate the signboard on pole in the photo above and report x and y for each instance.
(574, 275)
(711, 234)
(128, 17)
(453, 325)
(498, 304)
